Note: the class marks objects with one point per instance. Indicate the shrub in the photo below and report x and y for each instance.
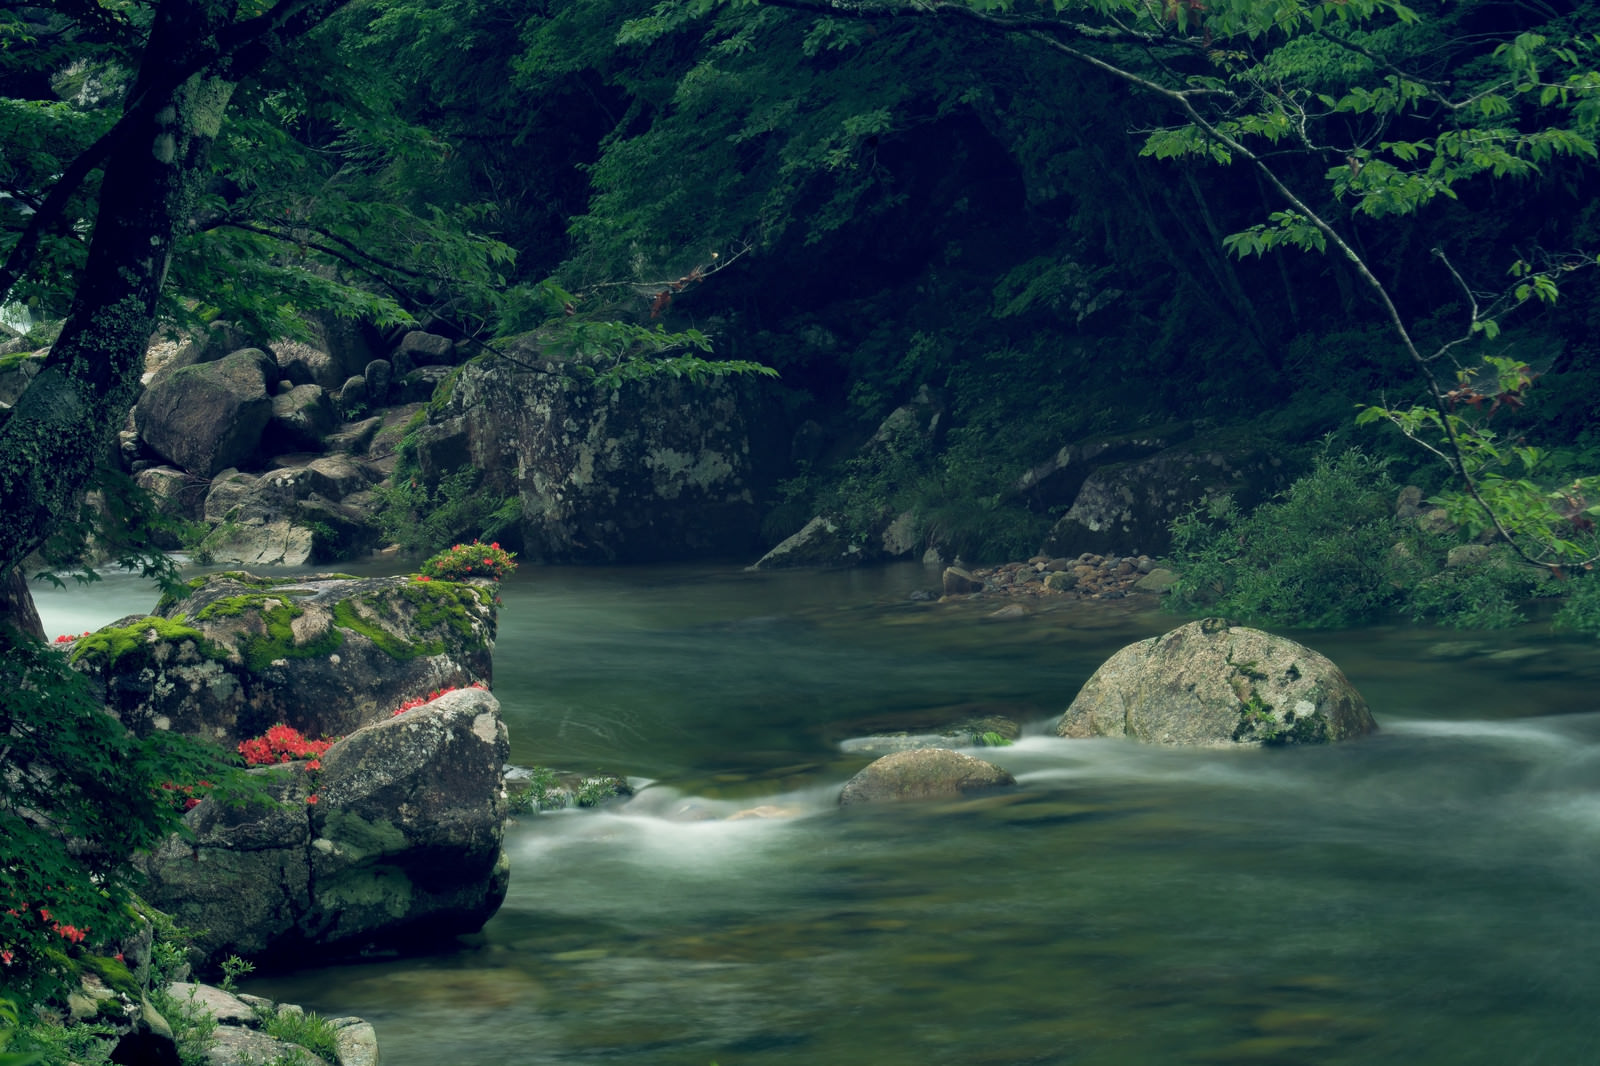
(470, 560)
(1581, 612)
(1327, 552)
(1330, 552)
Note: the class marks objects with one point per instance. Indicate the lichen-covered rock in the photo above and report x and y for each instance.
(207, 417)
(1057, 480)
(324, 654)
(924, 773)
(654, 469)
(1212, 683)
(402, 843)
(1129, 507)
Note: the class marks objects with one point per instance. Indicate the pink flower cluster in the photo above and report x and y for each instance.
(68, 638)
(430, 697)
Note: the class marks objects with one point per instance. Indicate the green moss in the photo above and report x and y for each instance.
(115, 974)
(14, 360)
(260, 650)
(445, 605)
(346, 616)
(112, 644)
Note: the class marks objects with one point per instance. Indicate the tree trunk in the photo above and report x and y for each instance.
(64, 421)
(16, 605)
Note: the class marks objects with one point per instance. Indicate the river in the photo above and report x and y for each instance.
(1423, 896)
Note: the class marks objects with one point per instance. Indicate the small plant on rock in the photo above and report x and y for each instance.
(596, 790)
(470, 560)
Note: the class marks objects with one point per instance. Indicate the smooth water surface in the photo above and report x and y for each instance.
(1423, 896)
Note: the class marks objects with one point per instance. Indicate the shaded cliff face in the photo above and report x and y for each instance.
(653, 470)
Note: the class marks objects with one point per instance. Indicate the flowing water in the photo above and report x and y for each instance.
(1423, 896)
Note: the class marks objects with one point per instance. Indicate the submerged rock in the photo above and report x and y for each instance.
(925, 773)
(1213, 683)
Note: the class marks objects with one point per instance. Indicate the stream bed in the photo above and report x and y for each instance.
(1423, 896)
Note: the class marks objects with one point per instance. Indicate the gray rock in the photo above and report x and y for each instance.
(419, 385)
(305, 365)
(218, 340)
(358, 1042)
(820, 542)
(353, 396)
(1057, 480)
(301, 418)
(922, 774)
(355, 437)
(426, 348)
(15, 375)
(1467, 556)
(378, 374)
(960, 582)
(912, 428)
(403, 841)
(1212, 683)
(1129, 507)
(210, 416)
(177, 494)
(291, 515)
(1158, 579)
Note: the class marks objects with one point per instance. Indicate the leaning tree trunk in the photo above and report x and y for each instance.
(65, 420)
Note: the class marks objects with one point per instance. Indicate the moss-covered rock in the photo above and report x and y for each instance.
(325, 654)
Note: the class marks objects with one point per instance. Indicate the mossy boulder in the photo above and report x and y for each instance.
(402, 843)
(1214, 683)
(325, 654)
(923, 774)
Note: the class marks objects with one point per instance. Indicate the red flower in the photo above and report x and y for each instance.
(312, 799)
(314, 764)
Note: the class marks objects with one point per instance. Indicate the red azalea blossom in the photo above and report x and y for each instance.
(312, 799)
(6, 957)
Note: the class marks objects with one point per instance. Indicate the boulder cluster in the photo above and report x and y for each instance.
(276, 448)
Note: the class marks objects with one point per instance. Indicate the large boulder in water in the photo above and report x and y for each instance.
(325, 654)
(396, 838)
(925, 773)
(1214, 683)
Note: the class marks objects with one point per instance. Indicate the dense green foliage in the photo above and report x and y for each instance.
(1333, 550)
(82, 796)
